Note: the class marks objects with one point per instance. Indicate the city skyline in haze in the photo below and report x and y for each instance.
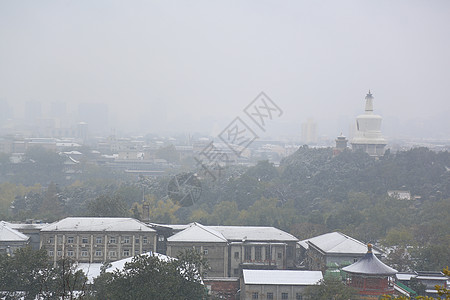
(175, 66)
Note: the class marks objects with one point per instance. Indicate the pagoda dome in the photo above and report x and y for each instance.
(370, 265)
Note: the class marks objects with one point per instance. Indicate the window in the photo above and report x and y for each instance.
(258, 255)
(126, 239)
(136, 241)
(280, 255)
(84, 253)
(289, 252)
(355, 260)
(255, 295)
(58, 253)
(126, 252)
(236, 255)
(112, 254)
(247, 253)
(144, 240)
(84, 240)
(98, 240)
(136, 252)
(160, 238)
(205, 251)
(70, 253)
(298, 296)
(98, 252)
(112, 240)
(269, 296)
(284, 296)
(236, 272)
(50, 240)
(70, 240)
(50, 253)
(268, 253)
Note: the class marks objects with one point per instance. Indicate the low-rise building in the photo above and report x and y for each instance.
(11, 239)
(277, 284)
(88, 239)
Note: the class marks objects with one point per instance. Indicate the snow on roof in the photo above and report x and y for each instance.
(7, 234)
(97, 224)
(369, 264)
(282, 277)
(339, 243)
(120, 264)
(23, 226)
(198, 233)
(249, 233)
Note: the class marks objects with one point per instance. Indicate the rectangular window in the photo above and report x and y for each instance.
(84, 240)
(268, 253)
(70, 240)
(258, 253)
(50, 240)
(247, 253)
(136, 241)
(98, 252)
(58, 253)
(136, 252)
(269, 296)
(280, 255)
(126, 252)
(298, 296)
(98, 240)
(255, 295)
(236, 255)
(84, 253)
(112, 254)
(144, 240)
(126, 239)
(161, 238)
(50, 253)
(236, 272)
(70, 253)
(112, 240)
(205, 251)
(284, 296)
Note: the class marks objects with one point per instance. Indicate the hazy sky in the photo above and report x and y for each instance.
(194, 65)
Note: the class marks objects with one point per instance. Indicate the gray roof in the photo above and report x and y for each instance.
(369, 264)
(97, 224)
(282, 277)
(7, 234)
(338, 243)
(254, 233)
(198, 233)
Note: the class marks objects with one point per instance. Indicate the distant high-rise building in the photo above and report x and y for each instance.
(368, 135)
(309, 132)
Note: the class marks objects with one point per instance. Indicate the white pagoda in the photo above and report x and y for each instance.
(368, 135)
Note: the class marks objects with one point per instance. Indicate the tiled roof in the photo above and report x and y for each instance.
(198, 233)
(338, 243)
(7, 234)
(369, 264)
(282, 277)
(97, 224)
(254, 233)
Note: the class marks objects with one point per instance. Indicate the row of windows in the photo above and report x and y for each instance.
(269, 296)
(99, 240)
(258, 253)
(85, 253)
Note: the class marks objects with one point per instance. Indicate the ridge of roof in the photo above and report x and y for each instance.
(9, 234)
(369, 264)
(185, 235)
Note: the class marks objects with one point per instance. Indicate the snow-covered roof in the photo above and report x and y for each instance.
(369, 264)
(198, 233)
(252, 233)
(24, 226)
(97, 224)
(282, 277)
(7, 234)
(338, 243)
(120, 264)
(405, 276)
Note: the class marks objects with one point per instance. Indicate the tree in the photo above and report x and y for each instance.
(149, 277)
(107, 206)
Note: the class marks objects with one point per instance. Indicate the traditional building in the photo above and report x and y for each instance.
(370, 277)
(334, 248)
(89, 239)
(368, 135)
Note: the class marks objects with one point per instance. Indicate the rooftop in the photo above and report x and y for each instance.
(369, 264)
(338, 243)
(7, 234)
(198, 233)
(97, 224)
(282, 277)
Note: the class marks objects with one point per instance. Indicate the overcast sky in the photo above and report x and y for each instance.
(194, 65)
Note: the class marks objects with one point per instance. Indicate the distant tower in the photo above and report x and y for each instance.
(341, 144)
(309, 132)
(368, 131)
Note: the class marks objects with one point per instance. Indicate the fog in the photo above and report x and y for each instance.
(192, 66)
